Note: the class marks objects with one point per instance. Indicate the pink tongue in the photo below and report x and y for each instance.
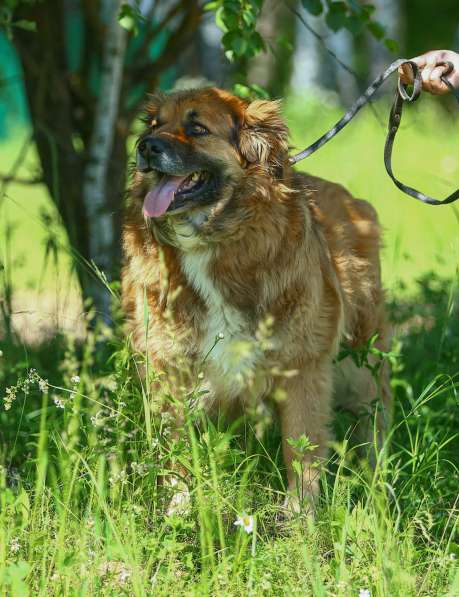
(158, 199)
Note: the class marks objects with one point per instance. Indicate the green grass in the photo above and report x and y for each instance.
(82, 511)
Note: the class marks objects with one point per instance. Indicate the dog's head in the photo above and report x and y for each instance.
(201, 145)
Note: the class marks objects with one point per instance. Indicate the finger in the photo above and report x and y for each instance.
(436, 84)
(427, 71)
(433, 56)
(420, 60)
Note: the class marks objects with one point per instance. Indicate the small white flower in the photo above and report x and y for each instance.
(364, 593)
(43, 385)
(58, 402)
(220, 336)
(452, 556)
(245, 521)
(75, 379)
(15, 546)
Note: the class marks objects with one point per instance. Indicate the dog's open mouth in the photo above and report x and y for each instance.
(173, 192)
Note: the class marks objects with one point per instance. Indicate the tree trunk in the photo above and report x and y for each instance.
(52, 113)
(95, 188)
(81, 108)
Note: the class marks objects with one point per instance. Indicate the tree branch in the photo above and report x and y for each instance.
(149, 72)
(331, 53)
(101, 236)
(151, 34)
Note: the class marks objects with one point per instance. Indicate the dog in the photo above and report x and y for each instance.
(222, 235)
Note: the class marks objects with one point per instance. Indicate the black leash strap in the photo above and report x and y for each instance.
(401, 95)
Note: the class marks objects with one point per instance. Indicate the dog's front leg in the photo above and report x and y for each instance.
(305, 412)
(174, 477)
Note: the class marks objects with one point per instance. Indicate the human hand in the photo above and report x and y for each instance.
(431, 73)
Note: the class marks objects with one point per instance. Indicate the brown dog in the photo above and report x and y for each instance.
(221, 234)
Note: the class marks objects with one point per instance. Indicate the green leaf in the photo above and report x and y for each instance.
(391, 45)
(27, 25)
(283, 41)
(249, 18)
(257, 43)
(367, 10)
(376, 29)
(129, 17)
(296, 466)
(230, 19)
(259, 91)
(240, 45)
(235, 42)
(219, 19)
(336, 16)
(128, 23)
(212, 5)
(354, 24)
(314, 7)
(241, 90)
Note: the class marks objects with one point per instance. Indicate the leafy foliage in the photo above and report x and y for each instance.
(353, 15)
(241, 40)
(7, 21)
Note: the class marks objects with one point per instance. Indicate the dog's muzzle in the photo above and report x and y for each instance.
(149, 149)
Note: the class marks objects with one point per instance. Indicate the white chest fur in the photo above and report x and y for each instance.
(227, 345)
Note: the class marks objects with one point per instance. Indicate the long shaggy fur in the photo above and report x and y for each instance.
(274, 243)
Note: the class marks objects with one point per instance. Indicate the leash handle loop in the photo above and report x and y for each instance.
(402, 95)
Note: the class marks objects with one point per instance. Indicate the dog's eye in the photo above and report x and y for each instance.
(197, 129)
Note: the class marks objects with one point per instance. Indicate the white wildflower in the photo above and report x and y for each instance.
(43, 385)
(75, 379)
(364, 593)
(15, 546)
(220, 336)
(10, 397)
(245, 521)
(452, 556)
(58, 402)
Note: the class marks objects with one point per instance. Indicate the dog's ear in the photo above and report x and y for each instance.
(264, 134)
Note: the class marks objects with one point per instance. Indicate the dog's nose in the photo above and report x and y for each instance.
(150, 146)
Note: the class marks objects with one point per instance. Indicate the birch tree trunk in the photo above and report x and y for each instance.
(100, 220)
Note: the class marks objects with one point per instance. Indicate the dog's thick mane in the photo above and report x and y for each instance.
(273, 244)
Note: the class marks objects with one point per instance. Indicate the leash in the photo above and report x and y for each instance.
(401, 95)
